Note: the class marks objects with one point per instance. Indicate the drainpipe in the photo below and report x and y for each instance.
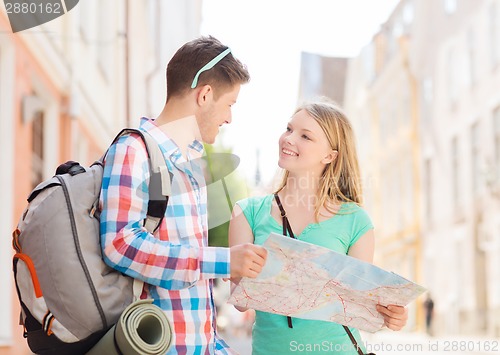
(416, 162)
(156, 67)
(127, 64)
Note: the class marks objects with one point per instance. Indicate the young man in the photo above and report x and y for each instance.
(176, 264)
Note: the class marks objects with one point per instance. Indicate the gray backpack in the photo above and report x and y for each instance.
(69, 297)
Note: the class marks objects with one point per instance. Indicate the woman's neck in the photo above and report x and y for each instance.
(301, 190)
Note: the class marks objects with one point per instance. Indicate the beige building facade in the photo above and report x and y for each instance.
(66, 88)
(381, 97)
(425, 99)
(460, 105)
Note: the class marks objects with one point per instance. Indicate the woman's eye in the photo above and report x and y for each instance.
(305, 137)
(288, 129)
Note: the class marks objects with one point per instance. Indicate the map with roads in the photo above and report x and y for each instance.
(303, 280)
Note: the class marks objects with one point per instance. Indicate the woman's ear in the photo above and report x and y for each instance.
(204, 95)
(330, 157)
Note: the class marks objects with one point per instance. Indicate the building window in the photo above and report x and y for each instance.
(408, 190)
(153, 8)
(397, 193)
(386, 121)
(408, 14)
(405, 105)
(426, 95)
(455, 171)
(471, 57)
(86, 18)
(496, 125)
(452, 76)
(494, 29)
(37, 149)
(450, 6)
(474, 150)
(428, 90)
(369, 62)
(428, 190)
(104, 16)
(397, 30)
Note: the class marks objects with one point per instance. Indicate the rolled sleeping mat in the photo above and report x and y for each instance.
(142, 328)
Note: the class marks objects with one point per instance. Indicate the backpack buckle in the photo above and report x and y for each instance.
(15, 240)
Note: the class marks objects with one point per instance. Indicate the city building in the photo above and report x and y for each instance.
(456, 60)
(322, 76)
(66, 88)
(424, 96)
(381, 100)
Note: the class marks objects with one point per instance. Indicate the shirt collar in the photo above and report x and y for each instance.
(169, 147)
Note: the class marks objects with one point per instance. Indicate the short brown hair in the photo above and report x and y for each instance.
(192, 56)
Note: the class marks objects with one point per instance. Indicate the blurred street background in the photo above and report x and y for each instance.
(419, 79)
(405, 343)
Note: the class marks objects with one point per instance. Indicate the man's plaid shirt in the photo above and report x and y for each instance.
(175, 262)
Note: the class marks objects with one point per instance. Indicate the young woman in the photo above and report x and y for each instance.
(321, 194)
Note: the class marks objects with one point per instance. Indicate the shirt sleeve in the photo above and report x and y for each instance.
(247, 209)
(127, 246)
(362, 224)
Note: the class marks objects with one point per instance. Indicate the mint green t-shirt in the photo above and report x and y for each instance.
(271, 334)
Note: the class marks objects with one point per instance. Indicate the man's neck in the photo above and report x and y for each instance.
(178, 122)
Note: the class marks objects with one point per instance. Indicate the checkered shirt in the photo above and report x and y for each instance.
(176, 263)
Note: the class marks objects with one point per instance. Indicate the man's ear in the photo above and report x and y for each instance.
(330, 157)
(204, 95)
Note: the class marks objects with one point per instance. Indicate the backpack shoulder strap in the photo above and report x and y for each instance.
(160, 181)
(159, 186)
(159, 190)
(157, 163)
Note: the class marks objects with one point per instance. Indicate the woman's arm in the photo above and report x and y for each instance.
(395, 317)
(239, 229)
(364, 248)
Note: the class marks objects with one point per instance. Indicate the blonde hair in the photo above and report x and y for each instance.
(340, 180)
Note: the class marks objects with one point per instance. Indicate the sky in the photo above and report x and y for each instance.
(268, 36)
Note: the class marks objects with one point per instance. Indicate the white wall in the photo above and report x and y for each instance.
(7, 67)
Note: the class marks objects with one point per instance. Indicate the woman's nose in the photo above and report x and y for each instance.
(289, 139)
